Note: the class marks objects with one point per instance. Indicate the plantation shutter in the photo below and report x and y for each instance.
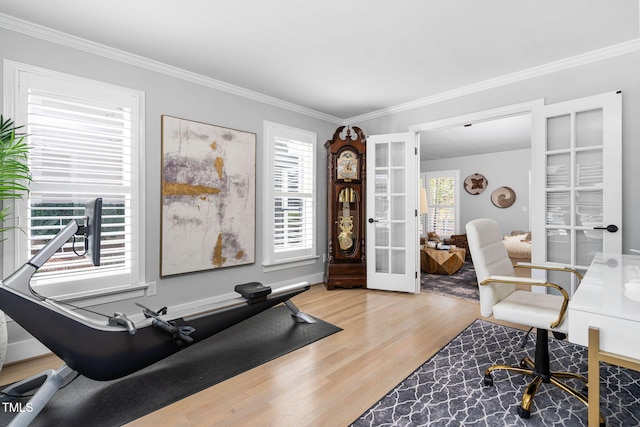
(81, 150)
(293, 196)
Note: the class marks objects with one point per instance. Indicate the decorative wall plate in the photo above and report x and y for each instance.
(475, 184)
(503, 197)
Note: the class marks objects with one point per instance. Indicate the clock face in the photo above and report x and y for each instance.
(347, 165)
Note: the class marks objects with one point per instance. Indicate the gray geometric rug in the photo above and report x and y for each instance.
(462, 285)
(448, 389)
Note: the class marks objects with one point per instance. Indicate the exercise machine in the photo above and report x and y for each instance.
(109, 347)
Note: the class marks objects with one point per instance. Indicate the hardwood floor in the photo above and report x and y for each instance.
(385, 337)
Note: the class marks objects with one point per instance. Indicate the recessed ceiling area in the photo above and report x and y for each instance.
(499, 135)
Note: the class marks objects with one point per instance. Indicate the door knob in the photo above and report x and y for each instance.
(371, 220)
(610, 228)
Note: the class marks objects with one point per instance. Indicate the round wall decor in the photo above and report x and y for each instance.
(503, 197)
(475, 184)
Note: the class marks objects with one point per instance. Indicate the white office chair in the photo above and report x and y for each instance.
(499, 296)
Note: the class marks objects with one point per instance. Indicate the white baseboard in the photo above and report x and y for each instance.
(30, 348)
(23, 350)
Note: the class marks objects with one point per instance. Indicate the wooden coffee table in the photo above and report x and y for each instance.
(436, 261)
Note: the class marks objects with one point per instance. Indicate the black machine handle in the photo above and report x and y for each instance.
(610, 228)
(179, 334)
(371, 220)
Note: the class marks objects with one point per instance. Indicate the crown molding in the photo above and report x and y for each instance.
(541, 70)
(58, 37)
(68, 40)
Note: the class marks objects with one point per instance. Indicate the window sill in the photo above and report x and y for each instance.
(102, 296)
(289, 263)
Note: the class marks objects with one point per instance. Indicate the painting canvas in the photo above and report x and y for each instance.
(208, 196)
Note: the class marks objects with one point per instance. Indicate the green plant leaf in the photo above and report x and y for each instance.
(15, 174)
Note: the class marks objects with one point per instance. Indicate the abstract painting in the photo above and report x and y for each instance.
(208, 196)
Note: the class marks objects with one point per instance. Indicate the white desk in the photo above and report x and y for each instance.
(610, 306)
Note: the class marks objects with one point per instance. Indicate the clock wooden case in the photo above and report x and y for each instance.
(346, 262)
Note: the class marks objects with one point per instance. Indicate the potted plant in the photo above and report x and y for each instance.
(14, 178)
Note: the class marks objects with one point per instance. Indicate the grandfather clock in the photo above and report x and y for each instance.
(346, 263)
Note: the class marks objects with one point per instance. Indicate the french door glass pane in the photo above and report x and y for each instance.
(589, 168)
(398, 233)
(382, 235)
(558, 170)
(397, 180)
(398, 208)
(382, 181)
(588, 242)
(559, 246)
(589, 128)
(398, 261)
(382, 208)
(589, 207)
(397, 153)
(558, 208)
(382, 155)
(559, 278)
(382, 260)
(559, 133)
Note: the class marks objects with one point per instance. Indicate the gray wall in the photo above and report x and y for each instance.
(509, 168)
(179, 98)
(172, 96)
(619, 73)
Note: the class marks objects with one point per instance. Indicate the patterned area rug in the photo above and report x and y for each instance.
(463, 284)
(448, 389)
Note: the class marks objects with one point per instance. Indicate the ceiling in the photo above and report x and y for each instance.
(504, 134)
(344, 59)
(351, 60)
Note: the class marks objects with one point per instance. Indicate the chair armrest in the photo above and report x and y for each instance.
(515, 280)
(539, 282)
(550, 266)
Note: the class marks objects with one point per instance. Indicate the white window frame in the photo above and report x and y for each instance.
(455, 174)
(106, 287)
(272, 259)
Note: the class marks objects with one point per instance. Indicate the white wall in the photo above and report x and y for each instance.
(180, 98)
(509, 168)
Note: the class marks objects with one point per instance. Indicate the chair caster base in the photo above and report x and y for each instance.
(524, 413)
(488, 381)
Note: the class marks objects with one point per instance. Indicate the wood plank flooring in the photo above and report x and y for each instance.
(385, 337)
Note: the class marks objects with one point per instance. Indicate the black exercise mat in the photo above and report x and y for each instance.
(248, 344)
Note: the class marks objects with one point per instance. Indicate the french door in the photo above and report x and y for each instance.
(392, 213)
(576, 194)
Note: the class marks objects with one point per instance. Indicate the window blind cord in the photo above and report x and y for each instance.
(73, 246)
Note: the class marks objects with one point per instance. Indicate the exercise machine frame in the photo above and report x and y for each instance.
(112, 347)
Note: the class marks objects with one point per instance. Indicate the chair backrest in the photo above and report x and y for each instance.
(490, 258)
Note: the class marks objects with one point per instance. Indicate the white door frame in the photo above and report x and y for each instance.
(471, 118)
(478, 117)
